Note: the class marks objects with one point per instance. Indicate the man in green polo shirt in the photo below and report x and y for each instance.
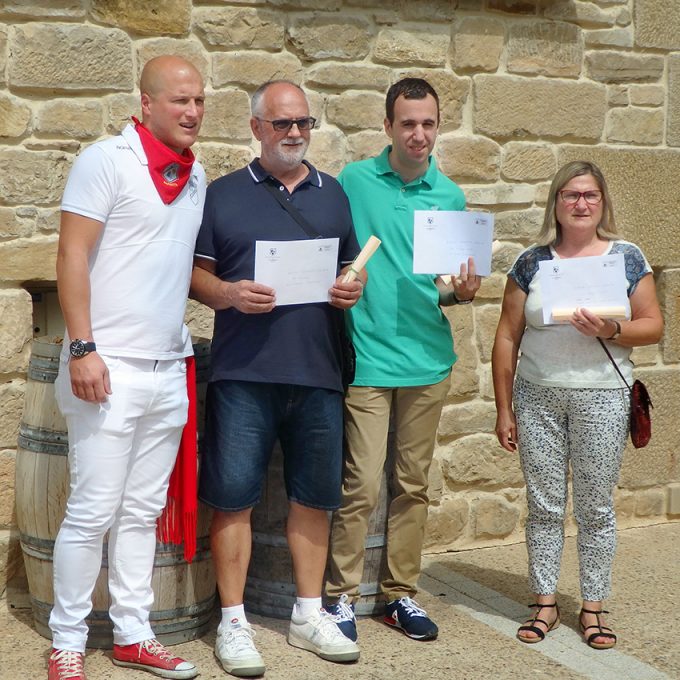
(404, 356)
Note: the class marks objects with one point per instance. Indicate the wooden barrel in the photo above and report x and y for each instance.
(183, 593)
(270, 587)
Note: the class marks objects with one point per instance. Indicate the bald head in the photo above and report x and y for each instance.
(172, 100)
(161, 71)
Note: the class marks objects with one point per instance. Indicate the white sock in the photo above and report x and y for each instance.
(231, 616)
(308, 605)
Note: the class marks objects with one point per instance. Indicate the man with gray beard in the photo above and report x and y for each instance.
(276, 372)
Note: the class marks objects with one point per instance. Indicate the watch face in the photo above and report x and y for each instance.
(77, 348)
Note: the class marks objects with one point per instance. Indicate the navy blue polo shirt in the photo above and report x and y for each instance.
(292, 344)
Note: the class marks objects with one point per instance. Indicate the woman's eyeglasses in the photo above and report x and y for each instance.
(285, 124)
(571, 197)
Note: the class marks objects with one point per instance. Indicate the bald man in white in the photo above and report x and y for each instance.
(130, 215)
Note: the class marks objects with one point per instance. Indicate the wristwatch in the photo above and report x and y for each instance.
(617, 332)
(462, 302)
(79, 348)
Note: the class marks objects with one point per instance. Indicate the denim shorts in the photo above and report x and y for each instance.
(243, 421)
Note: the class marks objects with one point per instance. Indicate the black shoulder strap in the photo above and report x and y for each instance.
(604, 347)
(291, 210)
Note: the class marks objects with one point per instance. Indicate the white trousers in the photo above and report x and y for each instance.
(121, 454)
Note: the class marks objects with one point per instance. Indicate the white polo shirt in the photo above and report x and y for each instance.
(141, 268)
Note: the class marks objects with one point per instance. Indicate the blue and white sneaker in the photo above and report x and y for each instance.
(343, 611)
(407, 616)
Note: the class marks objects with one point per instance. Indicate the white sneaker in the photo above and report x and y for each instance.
(319, 633)
(235, 649)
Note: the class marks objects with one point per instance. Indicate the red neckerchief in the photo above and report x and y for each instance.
(169, 170)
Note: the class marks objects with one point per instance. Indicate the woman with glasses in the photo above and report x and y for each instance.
(563, 403)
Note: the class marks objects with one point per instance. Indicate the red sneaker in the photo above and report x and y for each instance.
(151, 656)
(66, 665)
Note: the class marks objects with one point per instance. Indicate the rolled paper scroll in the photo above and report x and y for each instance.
(362, 258)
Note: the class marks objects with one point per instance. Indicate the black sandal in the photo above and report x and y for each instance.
(531, 626)
(601, 630)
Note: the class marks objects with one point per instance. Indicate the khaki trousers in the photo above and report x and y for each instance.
(416, 412)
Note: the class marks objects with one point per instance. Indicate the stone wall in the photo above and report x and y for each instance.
(525, 86)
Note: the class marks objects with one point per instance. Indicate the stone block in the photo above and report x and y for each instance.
(647, 95)
(342, 77)
(610, 37)
(37, 177)
(486, 322)
(446, 522)
(647, 355)
(366, 144)
(674, 499)
(3, 52)
(617, 95)
(96, 58)
(524, 162)
(644, 195)
(494, 517)
(673, 124)
(469, 159)
(522, 225)
(31, 259)
(11, 409)
(199, 319)
(510, 6)
(7, 458)
(411, 46)
(14, 224)
(545, 48)
(39, 9)
(431, 11)
(11, 559)
(152, 17)
(489, 467)
(227, 115)
(221, 159)
(657, 24)
(468, 417)
(650, 503)
(452, 91)
(477, 44)
(632, 125)
(610, 66)
(229, 28)
(190, 50)
(584, 13)
(669, 298)
(252, 69)
(658, 462)
(119, 109)
(485, 382)
(79, 118)
(517, 107)
(464, 378)
(16, 331)
(624, 502)
(328, 150)
(498, 195)
(15, 116)
(336, 36)
(356, 110)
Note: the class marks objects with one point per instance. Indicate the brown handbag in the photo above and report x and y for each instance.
(640, 403)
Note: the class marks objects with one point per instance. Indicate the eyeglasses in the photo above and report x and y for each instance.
(285, 124)
(590, 197)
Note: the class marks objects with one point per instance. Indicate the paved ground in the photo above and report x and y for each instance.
(476, 597)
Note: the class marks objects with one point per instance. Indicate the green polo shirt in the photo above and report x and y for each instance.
(400, 333)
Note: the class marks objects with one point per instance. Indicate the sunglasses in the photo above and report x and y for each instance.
(285, 124)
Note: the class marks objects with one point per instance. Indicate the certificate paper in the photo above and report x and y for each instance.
(591, 282)
(299, 271)
(444, 239)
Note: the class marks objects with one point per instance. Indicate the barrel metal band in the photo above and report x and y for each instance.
(40, 440)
